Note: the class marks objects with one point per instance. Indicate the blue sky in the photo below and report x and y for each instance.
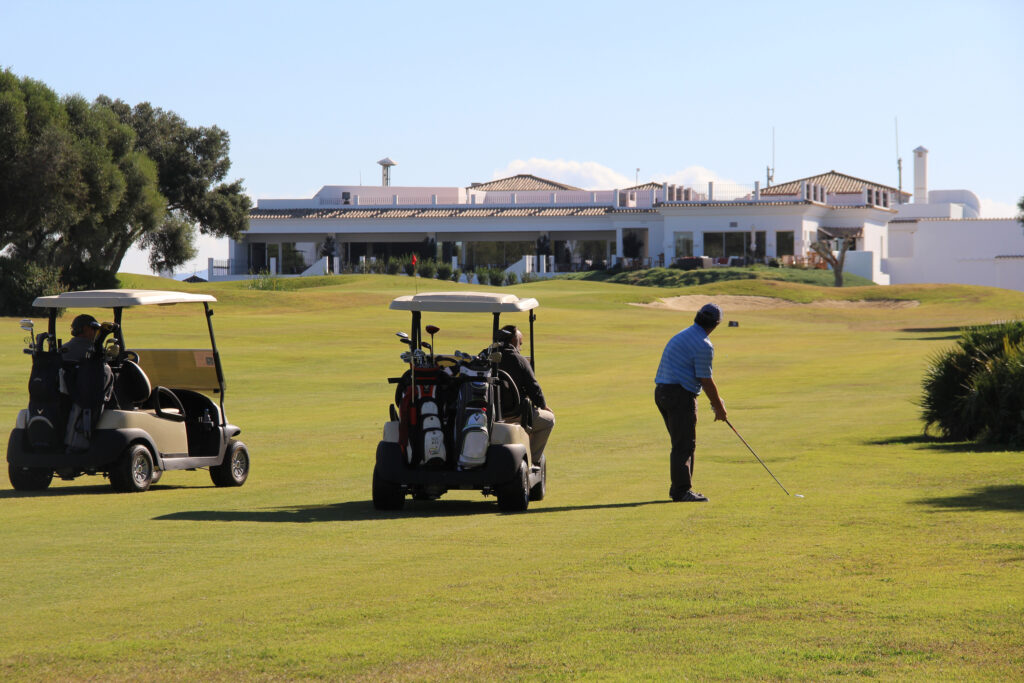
(314, 93)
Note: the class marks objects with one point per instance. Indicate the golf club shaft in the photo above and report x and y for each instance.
(756, 456)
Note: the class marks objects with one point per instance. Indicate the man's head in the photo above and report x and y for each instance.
(84, 326)
(708, 316)
(512, 335)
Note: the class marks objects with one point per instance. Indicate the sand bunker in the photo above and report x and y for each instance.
(756, 303)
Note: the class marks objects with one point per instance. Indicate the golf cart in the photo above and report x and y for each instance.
(129, 414)
(458, 421)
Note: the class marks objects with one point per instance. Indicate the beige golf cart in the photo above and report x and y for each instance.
(458, 421)
(127, 413)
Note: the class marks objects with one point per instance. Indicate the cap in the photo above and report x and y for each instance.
(81, 322)
(708, 314)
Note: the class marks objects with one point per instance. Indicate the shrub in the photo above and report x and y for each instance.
(267, 282)
(456, 275)
(427, 268)
(21, 282)
(995, 402)
(393, 266)
(496, 276)
(408, 266)
(511, 278)
(969, 389)
(444, 270)
(469, 272)
(688, 263)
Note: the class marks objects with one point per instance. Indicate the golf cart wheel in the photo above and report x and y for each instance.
(515, 495)
(386, 495)
(538, 490)
(234, 469)
(156, 476)
(133, 471)
(31, 479)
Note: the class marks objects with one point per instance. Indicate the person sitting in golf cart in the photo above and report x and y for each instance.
(521, 372)
(83, 336)
(88, 387)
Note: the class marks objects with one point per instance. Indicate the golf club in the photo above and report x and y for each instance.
(760, 460)
(432, 330)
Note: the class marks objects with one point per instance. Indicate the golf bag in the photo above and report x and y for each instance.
(47, 408)
(473, 416)
(421, 427)
(89, 384)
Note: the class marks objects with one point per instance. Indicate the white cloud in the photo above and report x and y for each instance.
(591, 175)
(991, 208)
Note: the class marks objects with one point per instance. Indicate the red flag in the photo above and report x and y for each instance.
(414, 259)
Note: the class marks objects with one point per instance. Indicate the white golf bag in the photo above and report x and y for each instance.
(433, 434)
(473, 426)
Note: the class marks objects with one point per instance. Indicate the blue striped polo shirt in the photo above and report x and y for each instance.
(687, 357)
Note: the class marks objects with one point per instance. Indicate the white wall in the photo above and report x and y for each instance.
(958, 251)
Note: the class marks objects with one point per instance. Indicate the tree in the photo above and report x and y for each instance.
(1020, 216)
(192, 164)
(74, 191)
(81, 182)
(824, 249)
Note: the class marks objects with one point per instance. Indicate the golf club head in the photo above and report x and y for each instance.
(27, 325)
(433, 329)
(427, 346)
(401, 335)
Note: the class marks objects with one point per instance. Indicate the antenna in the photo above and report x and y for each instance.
(770, 170)
(899, 163)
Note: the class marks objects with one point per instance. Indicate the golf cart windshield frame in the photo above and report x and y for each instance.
(118, 300)
(466, 302)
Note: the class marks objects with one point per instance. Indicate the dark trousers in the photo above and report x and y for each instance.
(679, 410)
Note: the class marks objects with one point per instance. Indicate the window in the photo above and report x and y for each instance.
(784, 243)
(725, 244)
(684, 244)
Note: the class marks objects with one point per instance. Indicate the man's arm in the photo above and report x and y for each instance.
(711, 390)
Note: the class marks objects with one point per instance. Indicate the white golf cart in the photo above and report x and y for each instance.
(458, 421)
(129, 414)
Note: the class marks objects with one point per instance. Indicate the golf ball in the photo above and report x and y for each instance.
(799, 495)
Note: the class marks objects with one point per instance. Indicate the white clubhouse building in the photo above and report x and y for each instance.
(937, 238)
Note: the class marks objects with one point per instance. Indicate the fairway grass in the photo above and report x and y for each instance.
(903, 561)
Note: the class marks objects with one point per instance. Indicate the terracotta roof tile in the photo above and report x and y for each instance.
(445, 212)
(523, 182)
(833, 181)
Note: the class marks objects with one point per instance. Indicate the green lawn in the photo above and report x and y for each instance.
(904, 560)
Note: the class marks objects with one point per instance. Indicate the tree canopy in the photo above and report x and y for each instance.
(81, 182)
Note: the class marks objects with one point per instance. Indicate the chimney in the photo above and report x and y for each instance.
(385, 164)
(920, 176)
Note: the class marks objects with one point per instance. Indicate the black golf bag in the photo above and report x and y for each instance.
(47, 407)
(88, 383)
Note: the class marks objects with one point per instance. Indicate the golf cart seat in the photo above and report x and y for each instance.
(131, 388)
(511, 401)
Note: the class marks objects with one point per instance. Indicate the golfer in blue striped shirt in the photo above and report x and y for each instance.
(685, 370)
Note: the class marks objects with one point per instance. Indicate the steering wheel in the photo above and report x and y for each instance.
(509, 391)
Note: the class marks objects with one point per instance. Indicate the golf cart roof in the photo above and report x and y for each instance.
(118, 298)
(463, 302)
